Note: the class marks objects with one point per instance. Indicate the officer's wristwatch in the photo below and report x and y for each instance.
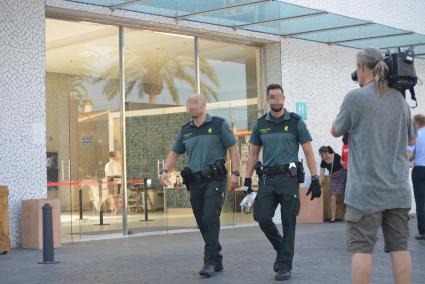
(236, 173)
(315, 178)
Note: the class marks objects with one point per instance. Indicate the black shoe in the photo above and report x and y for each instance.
(420, 237)
(282, 275)
(207, 271)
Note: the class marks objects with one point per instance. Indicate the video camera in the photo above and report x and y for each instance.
(402, 74)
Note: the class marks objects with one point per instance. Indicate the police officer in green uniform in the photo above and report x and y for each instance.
(205, 140)
(280, 133)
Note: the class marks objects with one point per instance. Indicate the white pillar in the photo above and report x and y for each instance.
(22, 101)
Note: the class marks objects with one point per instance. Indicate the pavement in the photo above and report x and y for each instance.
(320, 257)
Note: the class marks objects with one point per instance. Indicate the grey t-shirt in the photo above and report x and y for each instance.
(379, 129)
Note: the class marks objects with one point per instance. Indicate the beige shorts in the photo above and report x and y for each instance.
(362, 229)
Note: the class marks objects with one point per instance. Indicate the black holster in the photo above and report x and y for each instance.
(259, 170)
(185, 174)
(218, 170)
(300, 172)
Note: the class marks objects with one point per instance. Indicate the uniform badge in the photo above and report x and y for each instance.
(264, 130)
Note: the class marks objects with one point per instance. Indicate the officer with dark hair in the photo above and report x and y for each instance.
(205, 140)
(280, 133)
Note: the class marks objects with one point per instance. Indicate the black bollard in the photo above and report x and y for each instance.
(145, 195)
(145, 201)
(101, 216)
(48, 248)
(80, 199)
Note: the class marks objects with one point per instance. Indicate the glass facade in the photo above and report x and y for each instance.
(85, 140)
(80, 133)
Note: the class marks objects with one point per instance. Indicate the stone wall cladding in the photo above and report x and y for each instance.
(22, 99)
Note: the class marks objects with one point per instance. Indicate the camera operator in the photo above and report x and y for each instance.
(377, 119)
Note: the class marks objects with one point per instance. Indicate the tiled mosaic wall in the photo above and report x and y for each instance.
(319, 75)
(272, 65)
(150, 138)
(22, 115)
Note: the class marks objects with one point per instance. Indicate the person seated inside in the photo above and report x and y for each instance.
(113, 175)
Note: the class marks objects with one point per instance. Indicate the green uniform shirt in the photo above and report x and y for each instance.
(280, 138)
(206, 144)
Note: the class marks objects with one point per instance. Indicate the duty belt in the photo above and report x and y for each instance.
(288, 169)
(215, 171)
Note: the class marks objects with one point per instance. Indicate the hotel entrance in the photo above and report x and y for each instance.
(89, 139)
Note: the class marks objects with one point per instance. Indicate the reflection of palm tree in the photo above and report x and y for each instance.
(75, 84)
(150, 73)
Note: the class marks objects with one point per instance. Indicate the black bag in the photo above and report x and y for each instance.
(402, 74)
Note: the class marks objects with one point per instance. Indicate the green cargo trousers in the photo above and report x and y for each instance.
(206, 198)
(283, 190)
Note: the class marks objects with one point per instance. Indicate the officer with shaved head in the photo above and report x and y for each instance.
(205, 140)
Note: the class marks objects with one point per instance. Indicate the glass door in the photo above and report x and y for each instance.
(160, 75)
(235, 98)
(58, 154)
(83, 129)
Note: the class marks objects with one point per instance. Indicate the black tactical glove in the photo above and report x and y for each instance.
(314, 188)
(248, 183)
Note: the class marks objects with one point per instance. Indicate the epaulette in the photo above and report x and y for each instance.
(295, 115)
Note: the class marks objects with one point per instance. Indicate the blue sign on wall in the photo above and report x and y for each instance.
(301, 109)
(85, 140)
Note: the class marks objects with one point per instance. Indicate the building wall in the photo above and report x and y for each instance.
(272, 65)
(325, 70)
(22, 115)
(319, 75)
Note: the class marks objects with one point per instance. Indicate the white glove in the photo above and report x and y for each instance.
(247, 202)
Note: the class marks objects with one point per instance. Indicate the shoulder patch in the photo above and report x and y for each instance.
(294, 115)
(185, 125)
(262, 117)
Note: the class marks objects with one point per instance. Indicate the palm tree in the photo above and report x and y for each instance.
(149, 73)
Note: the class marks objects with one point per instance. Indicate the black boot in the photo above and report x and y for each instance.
(282, 275)
(207, 271)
